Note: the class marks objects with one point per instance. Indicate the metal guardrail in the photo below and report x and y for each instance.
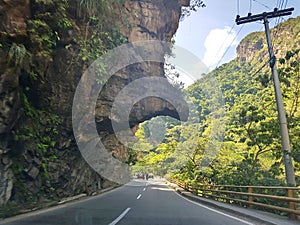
(232, 193)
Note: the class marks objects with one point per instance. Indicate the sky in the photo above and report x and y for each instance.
(211, 31)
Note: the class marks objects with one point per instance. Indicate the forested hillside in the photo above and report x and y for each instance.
(236, 138)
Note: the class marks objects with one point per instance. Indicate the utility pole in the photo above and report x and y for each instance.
(287, 159)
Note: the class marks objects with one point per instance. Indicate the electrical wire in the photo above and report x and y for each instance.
(278, 20)
(260, 68)
(279, 4)
(286, 4)
(262, 4)
(229, 46)
(223, 43)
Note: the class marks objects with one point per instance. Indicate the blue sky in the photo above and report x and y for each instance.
(206, 33)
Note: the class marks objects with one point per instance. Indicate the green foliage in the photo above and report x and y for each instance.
(98, 40)
(42, 37)
(41, 130)
(250, 153)
(172, 74)
(9, 209)
(17, 167)
(44, 30)
(289, 74)
(64, 23)
(194, 6)
(18, 54)
(38, 133)
(46, 2)
(42, 34)
(120, 1)
(95, 47)
(48, 29)
(94, 7)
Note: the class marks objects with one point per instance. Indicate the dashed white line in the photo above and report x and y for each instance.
(139, 196)
(144, 189)
(120, 217)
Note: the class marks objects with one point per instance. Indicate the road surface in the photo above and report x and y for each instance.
(136, 203)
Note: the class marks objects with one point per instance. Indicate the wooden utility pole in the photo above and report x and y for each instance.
(285, 141)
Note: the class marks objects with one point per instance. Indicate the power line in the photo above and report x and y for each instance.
(260, 68)
(229, 46)
(279, 3)
(280, 6)
(223, 43)
(279, 20)
(286, 4)
(264, 64)
(275, 33)
(264, 5)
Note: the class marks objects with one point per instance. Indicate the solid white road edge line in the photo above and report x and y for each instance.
(214, 210)
(120, 217)
(139, 196)
(55, 207)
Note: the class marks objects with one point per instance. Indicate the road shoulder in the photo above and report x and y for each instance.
(259, 216)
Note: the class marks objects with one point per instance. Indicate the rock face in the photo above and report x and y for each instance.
(40, 66)
(256, 42)
(13, 16)
(247, 49)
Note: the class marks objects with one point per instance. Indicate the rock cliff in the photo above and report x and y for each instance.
(254, 45)
(45, 46)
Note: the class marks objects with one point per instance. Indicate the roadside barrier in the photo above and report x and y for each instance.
(276, 198)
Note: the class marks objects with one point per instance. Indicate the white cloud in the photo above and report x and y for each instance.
(216, 43)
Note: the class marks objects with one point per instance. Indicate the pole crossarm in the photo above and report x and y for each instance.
(251, 18)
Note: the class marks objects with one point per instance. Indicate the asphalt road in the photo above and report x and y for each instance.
(137, 203)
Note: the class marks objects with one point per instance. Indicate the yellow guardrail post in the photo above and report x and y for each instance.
(292, 205)
(250, 197)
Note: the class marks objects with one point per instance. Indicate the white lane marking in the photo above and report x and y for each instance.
(144, 189)
(120, 217)
(139, 196)
(224, 214)
(58, 207)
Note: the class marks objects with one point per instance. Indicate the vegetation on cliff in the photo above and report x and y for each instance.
(36, 138)
(45, 46)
